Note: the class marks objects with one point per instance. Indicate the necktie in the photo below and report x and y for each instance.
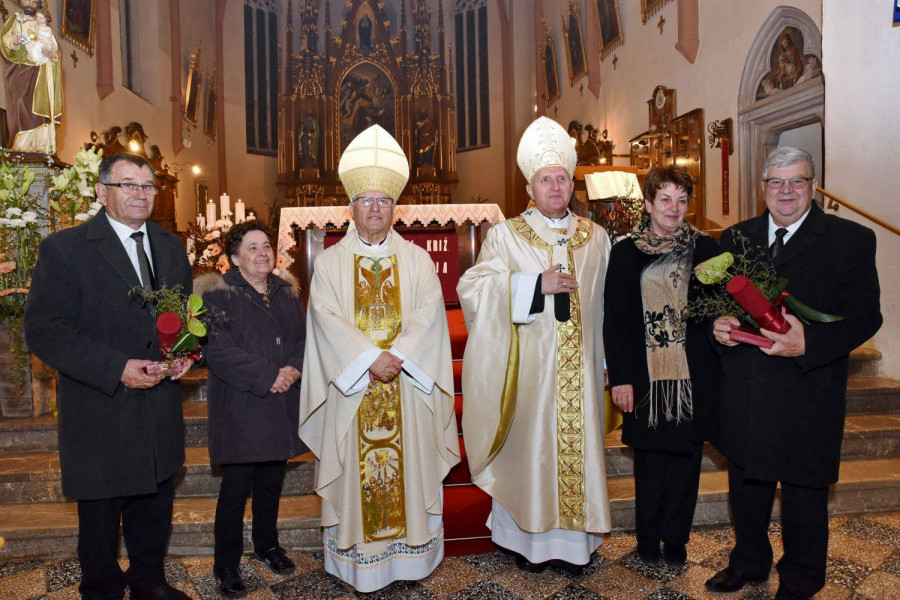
(778, 244)
(144, 262)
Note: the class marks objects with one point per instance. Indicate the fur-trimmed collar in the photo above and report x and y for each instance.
(209, 282)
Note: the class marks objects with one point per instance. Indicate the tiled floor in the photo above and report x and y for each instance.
(863, 564)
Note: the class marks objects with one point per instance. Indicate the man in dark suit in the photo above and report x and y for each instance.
(121, 431)
(782, 409)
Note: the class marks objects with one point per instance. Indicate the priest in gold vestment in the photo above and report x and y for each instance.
(376, 404)
(533, 369)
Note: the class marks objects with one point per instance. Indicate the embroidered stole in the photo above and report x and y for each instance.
(379, 419)
(559, 244)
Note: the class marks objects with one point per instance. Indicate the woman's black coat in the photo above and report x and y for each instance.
(626, 354)
(247, 423)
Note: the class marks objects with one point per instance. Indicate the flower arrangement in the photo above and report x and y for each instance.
(71, 193)
(206, 247)
(21, 221)
(181, 320)
(753, 263)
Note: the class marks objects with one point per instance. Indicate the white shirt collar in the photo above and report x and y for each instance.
(560, 223)
(123, 231)
(791, 228)
(382, 245)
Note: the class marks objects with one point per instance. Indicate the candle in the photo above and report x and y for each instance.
(201, 221)
(211, 212)
(239, 214)
(226, 205)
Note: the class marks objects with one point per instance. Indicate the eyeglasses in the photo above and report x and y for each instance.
(383, 202)
(796, 182)
(131, 188)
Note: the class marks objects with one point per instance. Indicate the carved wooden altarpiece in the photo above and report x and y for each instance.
(340, 83)
(111, 142)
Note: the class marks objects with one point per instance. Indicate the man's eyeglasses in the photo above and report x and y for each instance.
(796, 182)
(367, 202)
(131, 188)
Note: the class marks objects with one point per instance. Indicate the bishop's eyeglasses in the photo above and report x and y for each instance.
(382, 201)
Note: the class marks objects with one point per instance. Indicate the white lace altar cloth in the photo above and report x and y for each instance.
(320, 217)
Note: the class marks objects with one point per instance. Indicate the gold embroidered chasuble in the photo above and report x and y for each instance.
(533, 393)
(382, 451)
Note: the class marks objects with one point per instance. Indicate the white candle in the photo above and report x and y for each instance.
(211, 212)
(226, 205)
(240, 214)
(201, 221)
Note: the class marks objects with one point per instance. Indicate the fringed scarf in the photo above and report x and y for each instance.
(664, 294)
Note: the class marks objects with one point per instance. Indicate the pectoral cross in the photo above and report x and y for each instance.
(74, 60)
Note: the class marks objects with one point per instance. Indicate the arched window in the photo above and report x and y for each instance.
(473, 124)
(261, 76)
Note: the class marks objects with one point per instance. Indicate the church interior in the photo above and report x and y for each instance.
(244, 108)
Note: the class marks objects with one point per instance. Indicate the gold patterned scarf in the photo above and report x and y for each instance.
(664, 294)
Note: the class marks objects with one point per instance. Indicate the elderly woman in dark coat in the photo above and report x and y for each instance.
(254, 358)
(662, 369)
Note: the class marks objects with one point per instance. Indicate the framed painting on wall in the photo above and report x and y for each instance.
(574, 38)
(209, 113)
(609, 25)
(366, 99)
(78, 23)
(192, 89)
(648, 7)
(551, 74)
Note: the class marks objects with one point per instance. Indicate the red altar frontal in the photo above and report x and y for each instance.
(451, 234)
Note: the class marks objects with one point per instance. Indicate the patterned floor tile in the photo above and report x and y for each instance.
(452, 575)
(484, 590)
(615, 547)
(532, 586)
(872, 531)
(891, 519)
(856, 550)
(892, 564)
(619, 583)
(208, 587)
(659, 572)
(175, 571)
(717, 561)
(667, 594)
(317, 584)
(723, 534)
(691, 584)
(702, 547)
(63, 574)
(408, 590)
(832, 591)
(14, 567)
(69, 593)
(879, 586)
(24, 586)
(575, 592)
(492, 563)
(845, 573)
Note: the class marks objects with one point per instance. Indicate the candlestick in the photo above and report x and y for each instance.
(239, 211)
(211, 212)
(226, 204)
(201, 221)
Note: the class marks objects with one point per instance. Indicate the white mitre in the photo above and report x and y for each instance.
(545, 144)
(374, 161)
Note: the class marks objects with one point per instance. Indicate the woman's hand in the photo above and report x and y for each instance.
(623, 397)
(287, 376)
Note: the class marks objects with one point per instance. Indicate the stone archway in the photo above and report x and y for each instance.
(769, 104)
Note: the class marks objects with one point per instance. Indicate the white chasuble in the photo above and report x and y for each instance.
(533, 390)
(382, 448)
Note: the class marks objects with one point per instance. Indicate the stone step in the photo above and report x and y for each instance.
(50, 529)
(865, 362)
(872, 395)
(35, 476)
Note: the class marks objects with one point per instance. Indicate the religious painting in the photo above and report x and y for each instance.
(551, 74)
(609, 26)
(788, 66)
(308, 141)
(209, 113)
(201, 195)
(367, 98)
(78, 23)
(192, 89)
(648, 7)
(364, 31)
(572, 32)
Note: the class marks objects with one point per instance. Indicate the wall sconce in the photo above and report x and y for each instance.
(178, 167)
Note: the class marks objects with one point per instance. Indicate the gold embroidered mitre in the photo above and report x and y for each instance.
(545, 144)
(374, 161)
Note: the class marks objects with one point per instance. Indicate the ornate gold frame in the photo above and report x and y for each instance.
(574, 9)
(209, 109)
(79, 39)
(548, 46)
(607, 46)
(192, 89)
(648, 7)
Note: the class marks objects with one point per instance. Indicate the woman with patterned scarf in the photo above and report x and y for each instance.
(662, 369)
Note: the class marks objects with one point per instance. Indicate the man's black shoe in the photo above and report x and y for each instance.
(162, 592)
(648, 555)
(566, 566)
(526, 565)
(675, 555)
(229, 581)
(277, 560)
(726, 581)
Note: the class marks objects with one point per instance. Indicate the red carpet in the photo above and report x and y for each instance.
(466, 507)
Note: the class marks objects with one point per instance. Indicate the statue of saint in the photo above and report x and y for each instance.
(426, 132)
(33, 79)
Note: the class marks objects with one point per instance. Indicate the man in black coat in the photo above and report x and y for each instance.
(121, 431)
(782, 409)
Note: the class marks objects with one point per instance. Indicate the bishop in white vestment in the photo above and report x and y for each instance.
(376, 402)
(533, 368)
